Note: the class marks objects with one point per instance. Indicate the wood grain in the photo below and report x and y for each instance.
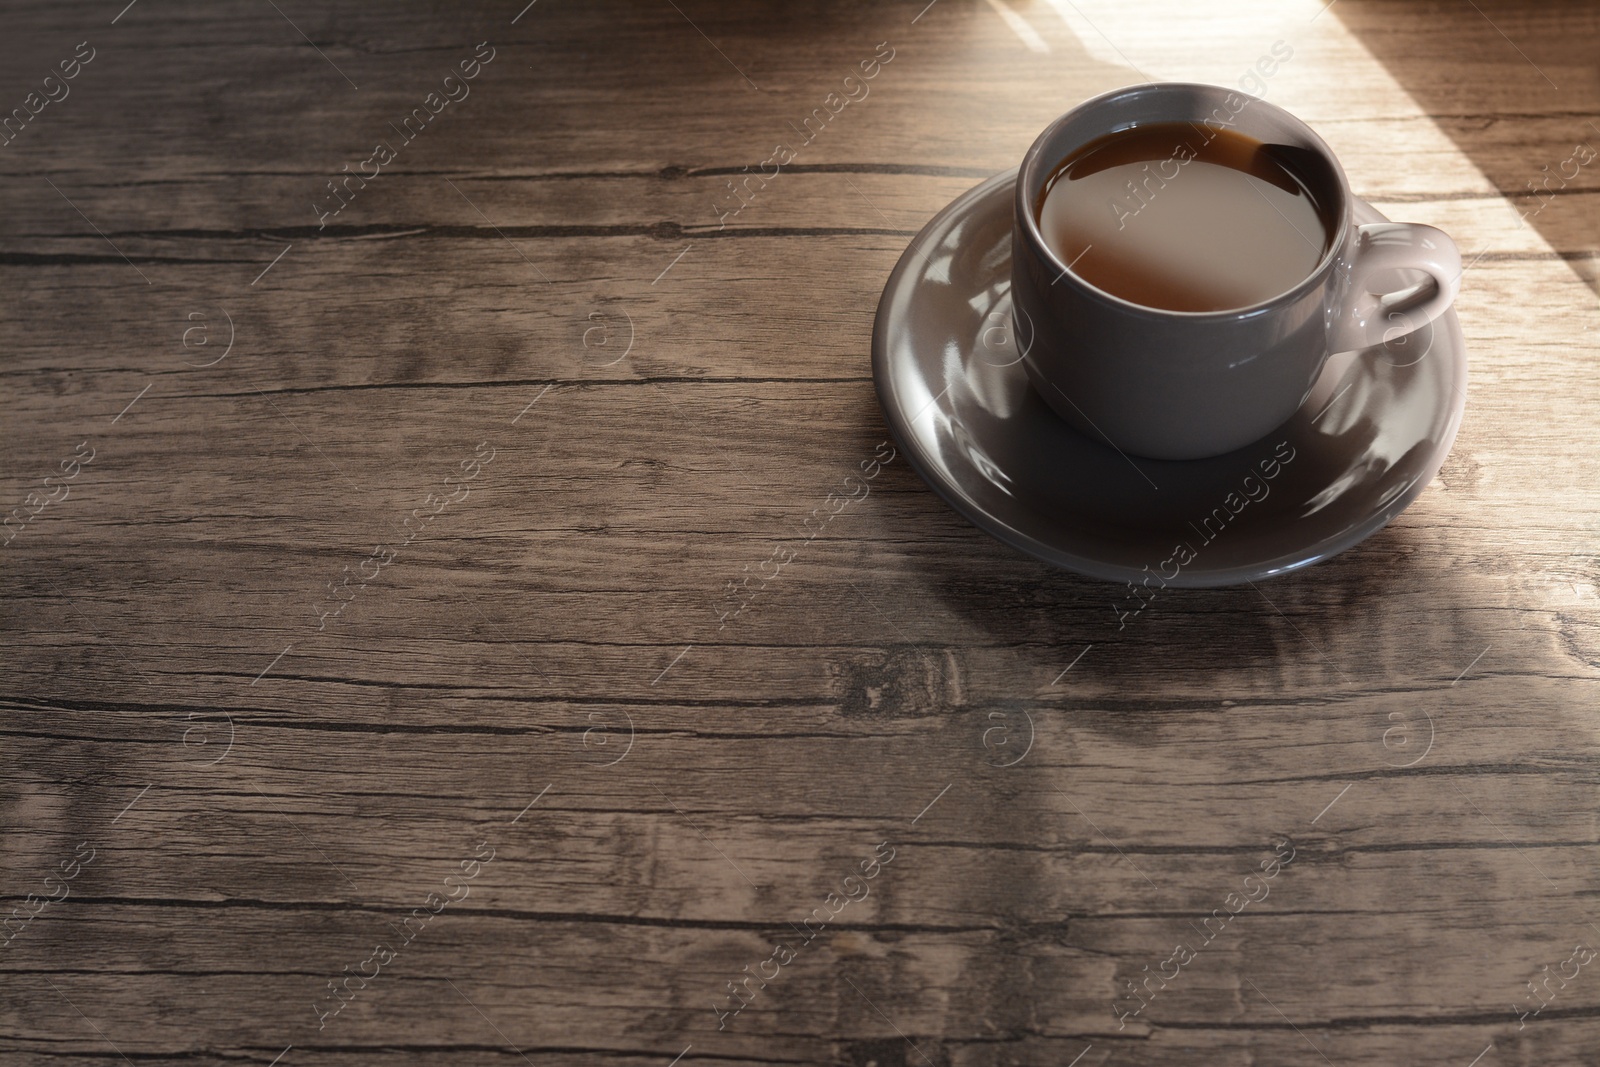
(551, 670)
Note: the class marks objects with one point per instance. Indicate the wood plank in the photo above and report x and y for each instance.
(546, 669)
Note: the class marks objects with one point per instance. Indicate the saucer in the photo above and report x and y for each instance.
(1369, 438)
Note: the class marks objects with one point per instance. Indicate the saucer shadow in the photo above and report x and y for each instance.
(1046, 615)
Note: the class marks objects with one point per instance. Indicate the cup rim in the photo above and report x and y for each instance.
(1032, 162)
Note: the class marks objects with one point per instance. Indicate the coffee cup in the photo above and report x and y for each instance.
(1134, 339)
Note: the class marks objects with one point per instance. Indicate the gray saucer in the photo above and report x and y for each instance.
(1371, 436)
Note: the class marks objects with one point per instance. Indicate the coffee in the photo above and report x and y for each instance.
(1186, 217)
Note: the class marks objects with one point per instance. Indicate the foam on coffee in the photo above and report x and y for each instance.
(1185, 217)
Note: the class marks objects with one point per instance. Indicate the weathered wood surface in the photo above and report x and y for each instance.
(266, 800)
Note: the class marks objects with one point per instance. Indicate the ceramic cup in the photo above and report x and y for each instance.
(1183, 384)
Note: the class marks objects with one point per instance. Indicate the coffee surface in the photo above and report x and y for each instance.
(1184, 217)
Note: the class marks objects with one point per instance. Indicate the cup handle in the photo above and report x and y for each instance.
(1366, 318)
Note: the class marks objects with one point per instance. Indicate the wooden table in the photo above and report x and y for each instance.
(373, 689)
